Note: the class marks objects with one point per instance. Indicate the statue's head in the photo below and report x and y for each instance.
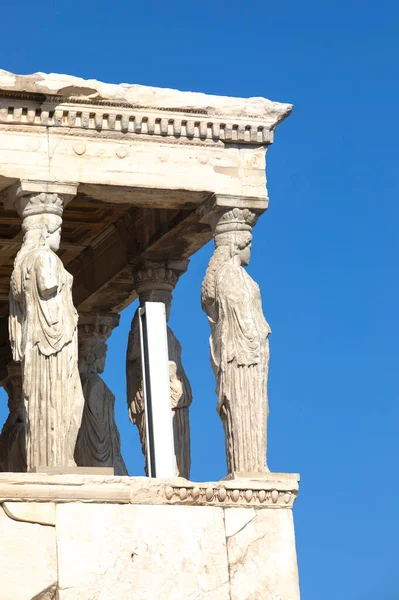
(234, 231)
(43, 230)
(244, 244)
(41, 214)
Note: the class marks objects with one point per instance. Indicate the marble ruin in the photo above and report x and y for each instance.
(106, 191)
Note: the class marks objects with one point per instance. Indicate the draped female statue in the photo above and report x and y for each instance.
(43, 335)
(239, 343)
(98, 443)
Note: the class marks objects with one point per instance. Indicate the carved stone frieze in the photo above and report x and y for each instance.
(121, 118)
(221, 496)
(74, 103)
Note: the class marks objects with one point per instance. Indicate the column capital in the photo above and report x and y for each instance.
(26, 187)
(158, 275)
(218, 204)
(96, 326)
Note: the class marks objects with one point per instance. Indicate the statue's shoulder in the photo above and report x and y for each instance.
(44, 258)
(230, 279)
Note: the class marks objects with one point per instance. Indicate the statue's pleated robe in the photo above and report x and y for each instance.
(43, 333)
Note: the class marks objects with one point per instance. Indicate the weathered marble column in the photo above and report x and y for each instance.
(239, 342)
(98, 443)
(154, 282)
(43, 327)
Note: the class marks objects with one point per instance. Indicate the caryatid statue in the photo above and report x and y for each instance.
(239, 342)
(154, 281)
(98, 442)
(43, 334)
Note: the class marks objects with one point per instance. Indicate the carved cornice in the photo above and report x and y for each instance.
(277, 492)
(100, 116)
(216, 495)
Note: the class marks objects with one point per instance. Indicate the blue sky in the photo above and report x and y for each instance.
(325, 254)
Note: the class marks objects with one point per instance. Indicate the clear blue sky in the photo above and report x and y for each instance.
(325, 254)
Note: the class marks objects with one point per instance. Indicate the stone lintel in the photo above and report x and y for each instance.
(262, 477)
(24, 187)
(209, 211)
(73, 470)
(277, 492)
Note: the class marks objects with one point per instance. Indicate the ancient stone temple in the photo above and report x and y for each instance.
(106, 191)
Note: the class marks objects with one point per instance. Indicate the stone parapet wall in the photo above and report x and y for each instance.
(76, 537)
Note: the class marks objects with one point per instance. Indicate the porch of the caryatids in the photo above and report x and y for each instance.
(43, 327)
(154, 281)
(98, 443)
(239, 341)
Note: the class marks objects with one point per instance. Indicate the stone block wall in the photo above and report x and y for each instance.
(82, 549)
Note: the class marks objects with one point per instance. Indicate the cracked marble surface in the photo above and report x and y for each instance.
(261, 555)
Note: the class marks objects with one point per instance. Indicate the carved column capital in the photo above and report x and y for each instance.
(216, 207)
(38, 197)
(155, 280)
(93, 331)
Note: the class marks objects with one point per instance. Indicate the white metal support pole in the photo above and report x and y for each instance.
(158, 412)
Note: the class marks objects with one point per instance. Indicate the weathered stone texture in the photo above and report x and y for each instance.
(119, 540)
(28, 561)
(141, 552)
(261, 554)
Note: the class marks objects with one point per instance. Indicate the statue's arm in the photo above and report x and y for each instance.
(46, 273)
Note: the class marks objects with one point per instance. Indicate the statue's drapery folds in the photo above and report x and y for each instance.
(154, 282)
(43, 335)
(98, 443)
(239, 342)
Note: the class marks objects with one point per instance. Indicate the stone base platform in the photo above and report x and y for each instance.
(99, 537)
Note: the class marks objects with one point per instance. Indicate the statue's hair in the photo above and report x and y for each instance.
(44, 222)
(232, 234)
(219, 257)
(36, 229)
